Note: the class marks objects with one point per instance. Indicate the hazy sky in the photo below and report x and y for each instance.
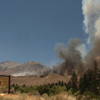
(30, 29)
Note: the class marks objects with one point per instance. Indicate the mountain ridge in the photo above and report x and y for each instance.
(16, 69)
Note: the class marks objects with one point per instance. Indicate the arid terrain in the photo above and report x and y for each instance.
(33, 80)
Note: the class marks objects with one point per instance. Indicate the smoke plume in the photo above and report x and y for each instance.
(71, 55)
(70, 51)
(74, 53)
(91, 12)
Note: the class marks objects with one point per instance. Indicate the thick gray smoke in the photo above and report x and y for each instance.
(91, 12)
(71, 55)
(74, 53)
(71, 51)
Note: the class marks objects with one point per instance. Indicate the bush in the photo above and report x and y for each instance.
(50, 89)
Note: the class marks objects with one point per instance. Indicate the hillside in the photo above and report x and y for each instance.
(17, 69)
(32, 80)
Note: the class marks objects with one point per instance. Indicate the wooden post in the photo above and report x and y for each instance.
(9, 84)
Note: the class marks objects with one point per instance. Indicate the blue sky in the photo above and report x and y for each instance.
(30, 29)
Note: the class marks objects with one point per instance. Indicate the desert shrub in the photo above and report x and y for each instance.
(25, 89)
(51, 89)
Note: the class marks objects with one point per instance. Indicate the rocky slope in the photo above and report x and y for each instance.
(17, 69)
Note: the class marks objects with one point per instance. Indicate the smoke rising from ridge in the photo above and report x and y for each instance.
(71, 51)
(73, 55)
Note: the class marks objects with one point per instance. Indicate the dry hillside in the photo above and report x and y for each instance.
(32, 80)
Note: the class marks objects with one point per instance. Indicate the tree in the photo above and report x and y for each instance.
(90, 81)
(73, 82)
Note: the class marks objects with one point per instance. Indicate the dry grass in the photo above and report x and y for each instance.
(63, 96)
(37, 81)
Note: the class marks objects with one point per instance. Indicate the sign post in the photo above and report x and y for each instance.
(5, 82)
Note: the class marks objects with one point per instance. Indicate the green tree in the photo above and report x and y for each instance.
(90, 81)
(73, 83)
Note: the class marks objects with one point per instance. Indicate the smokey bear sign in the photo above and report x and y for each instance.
(4, 84)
